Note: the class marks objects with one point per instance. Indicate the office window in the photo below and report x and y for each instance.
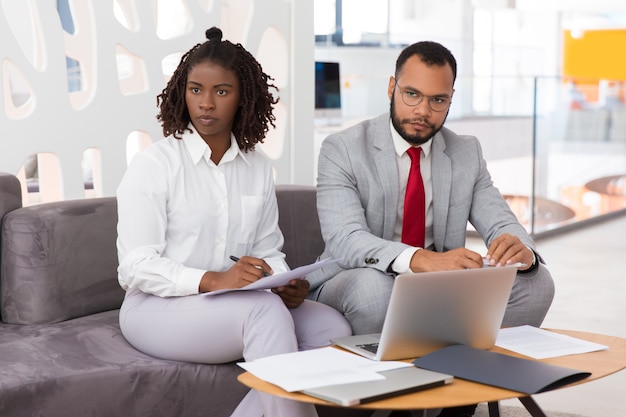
(351, 22)
(365, 22)
(324, 17)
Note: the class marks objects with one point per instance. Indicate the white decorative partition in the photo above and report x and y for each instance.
(78, 84)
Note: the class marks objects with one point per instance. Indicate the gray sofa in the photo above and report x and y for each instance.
(61, 350)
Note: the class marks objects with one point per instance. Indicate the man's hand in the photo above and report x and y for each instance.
(507, 249)
(425, 260)
(293, 294)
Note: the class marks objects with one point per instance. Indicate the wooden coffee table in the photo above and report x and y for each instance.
(462, 392)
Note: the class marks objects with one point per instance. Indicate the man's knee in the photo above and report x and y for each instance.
(362, 295)
(530, 299)
(541, 287)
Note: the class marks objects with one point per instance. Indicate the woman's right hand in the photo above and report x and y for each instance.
(243, 272)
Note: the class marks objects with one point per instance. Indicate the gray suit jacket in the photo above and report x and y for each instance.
(357, 197)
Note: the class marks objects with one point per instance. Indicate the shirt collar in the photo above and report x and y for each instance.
(198, 148)
(401, 145)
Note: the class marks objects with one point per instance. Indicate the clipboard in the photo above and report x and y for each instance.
(277, 280)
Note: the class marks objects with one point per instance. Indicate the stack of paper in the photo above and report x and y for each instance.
(541, 344)
(317, 368)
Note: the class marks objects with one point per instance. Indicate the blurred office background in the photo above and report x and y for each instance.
(541, 83)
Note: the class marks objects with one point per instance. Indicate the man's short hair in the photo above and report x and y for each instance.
(431, 53)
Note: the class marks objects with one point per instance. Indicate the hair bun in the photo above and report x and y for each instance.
(214, 34)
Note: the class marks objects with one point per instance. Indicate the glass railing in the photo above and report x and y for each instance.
(555, 149)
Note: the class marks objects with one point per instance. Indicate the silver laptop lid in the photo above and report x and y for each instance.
(430, 310)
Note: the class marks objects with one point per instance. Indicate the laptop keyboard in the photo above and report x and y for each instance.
(370, 347)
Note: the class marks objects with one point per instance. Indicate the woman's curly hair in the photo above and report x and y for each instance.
(255, 112)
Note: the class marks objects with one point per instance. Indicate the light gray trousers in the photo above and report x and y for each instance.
(228, 327)
(362, 295)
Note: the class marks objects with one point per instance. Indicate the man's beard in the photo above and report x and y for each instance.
(412, 139)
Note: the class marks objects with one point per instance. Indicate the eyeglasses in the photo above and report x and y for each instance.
(413, 98)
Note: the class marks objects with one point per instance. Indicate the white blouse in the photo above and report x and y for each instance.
(180, 215)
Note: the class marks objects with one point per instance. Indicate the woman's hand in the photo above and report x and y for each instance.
(243, 272)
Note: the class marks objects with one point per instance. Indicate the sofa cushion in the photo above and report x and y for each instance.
(59, 261)
(85, 367)
(298, 220)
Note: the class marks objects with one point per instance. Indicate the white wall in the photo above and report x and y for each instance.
(33, 51)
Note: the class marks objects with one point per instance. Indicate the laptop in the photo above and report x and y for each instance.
(431, 310)
(396, 382)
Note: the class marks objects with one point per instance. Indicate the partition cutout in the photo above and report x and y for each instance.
(135, 143)
(169, 64)
(22, 26)
(19, 100)
(126, 14)
(81, 47)
(41, 179)
(131, 71)
(92, 172)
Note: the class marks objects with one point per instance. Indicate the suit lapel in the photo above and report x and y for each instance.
(386, 167)
(441, 168)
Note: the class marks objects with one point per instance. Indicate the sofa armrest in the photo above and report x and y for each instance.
(10, 193)
(59, 261)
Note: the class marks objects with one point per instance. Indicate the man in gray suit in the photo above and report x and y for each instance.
(362, 180)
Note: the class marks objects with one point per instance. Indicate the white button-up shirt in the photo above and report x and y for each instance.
(181, 215)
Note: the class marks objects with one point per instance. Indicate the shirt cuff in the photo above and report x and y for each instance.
(534, 256)
(188, 282)
(534, 265)
(402, 264)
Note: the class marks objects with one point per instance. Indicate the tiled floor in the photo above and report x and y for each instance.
(589, 269)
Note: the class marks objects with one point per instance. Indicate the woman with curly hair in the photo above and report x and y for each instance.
(187, 204)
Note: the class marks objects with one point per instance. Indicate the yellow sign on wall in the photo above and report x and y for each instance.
(596, 54)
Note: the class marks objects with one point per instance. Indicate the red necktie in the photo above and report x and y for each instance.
(414, 220)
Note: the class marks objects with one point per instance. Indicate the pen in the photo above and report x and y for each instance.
(235, 259)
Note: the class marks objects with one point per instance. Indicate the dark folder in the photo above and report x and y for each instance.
(504, 371)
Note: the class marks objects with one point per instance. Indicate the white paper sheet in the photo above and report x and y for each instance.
(317, 368)
(486, 264)
(541, 344)
(278, 280)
